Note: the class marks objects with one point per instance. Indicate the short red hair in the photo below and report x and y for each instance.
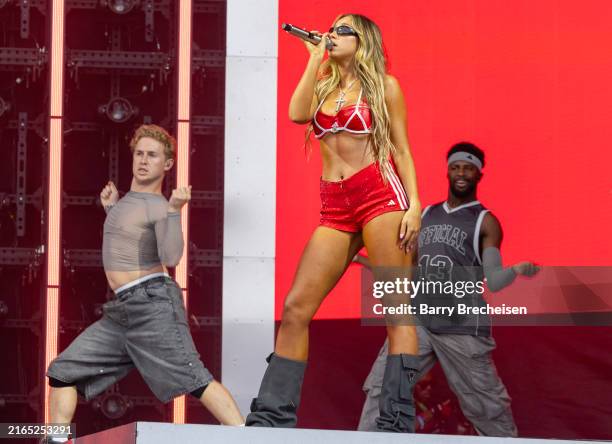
(157, 133)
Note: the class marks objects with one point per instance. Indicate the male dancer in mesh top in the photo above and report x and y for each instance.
(145, 325)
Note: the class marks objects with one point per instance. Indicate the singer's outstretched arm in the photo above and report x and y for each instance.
(303, 101)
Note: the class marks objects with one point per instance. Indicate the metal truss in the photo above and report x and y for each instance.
(206, 125)
(33, 324)
(21, 256)
(32, 61)
(22, 130)
(37, 125)
(200, 125)
(33, 400)
(92, 258)
(32, 64)
(148, 7)
(24, 19)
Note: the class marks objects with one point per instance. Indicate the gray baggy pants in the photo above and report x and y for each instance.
(471, 374)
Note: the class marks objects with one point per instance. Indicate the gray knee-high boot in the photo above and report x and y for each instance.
(396, 403)
(279, 394)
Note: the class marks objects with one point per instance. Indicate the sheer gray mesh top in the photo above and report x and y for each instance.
(139, 233)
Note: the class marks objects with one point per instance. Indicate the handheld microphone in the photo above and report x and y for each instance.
(305, 35)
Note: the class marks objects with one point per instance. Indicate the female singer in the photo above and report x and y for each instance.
(368, 197)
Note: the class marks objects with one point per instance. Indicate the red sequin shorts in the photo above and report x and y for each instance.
(351, 203)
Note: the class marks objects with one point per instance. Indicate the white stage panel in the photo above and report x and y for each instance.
(163, 433)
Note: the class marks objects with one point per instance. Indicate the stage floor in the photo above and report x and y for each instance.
(163, 433)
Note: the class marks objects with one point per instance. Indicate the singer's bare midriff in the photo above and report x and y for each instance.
(117, 279)
(343, 154)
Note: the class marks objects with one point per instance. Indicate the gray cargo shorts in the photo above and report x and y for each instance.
(144, 326)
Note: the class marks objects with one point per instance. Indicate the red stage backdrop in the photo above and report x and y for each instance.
(526, 81)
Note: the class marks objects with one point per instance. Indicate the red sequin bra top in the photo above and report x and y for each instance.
(354, 119)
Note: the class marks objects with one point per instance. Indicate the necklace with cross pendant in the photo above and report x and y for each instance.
(340, 100)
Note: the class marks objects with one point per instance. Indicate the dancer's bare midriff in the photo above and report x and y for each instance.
(117, 279)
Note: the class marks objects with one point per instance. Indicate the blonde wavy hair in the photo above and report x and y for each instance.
(157, 133)
(370, 68)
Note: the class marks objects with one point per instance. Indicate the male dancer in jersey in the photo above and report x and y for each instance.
(463, 236)
(144, 325)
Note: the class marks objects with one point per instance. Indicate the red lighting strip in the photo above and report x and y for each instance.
(184, 61)
(52, 308)
(182, 180)
(54, 189)
(54, 202)
(182, 157)
(57, 58)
